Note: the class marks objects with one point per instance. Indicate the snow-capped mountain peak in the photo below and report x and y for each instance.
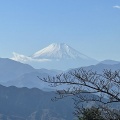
(56, 56)
(58, 51)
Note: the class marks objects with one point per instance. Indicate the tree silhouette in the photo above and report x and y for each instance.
(86, 85)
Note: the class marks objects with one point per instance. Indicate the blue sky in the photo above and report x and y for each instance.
(90, 26)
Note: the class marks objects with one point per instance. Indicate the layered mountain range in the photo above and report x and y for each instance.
(56, 56)
(26, 101)
(23, 75)
(13, 73)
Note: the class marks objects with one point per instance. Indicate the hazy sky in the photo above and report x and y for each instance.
(90, 26)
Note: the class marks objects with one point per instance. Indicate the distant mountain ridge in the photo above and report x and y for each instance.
(100, 67)
(32, 104)
(10, 69)
(56, 56)
(23, 75)
(13, 73)
(110, 62)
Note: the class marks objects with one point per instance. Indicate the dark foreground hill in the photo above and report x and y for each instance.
(32, 104)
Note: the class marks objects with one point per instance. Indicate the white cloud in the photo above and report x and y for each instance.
(25, 59)
(116, 6)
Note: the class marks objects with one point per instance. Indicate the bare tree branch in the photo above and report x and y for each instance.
(86, 85)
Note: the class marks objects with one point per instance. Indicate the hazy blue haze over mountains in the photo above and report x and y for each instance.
(23, 75)
(34, 104)
(10, 69)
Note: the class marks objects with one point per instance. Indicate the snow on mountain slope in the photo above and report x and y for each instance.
(56, 56)
(59, 51)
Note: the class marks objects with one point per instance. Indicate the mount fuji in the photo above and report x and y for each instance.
(59, 51)
(56, 56)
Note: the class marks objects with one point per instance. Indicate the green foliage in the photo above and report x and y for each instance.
(91, 114)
